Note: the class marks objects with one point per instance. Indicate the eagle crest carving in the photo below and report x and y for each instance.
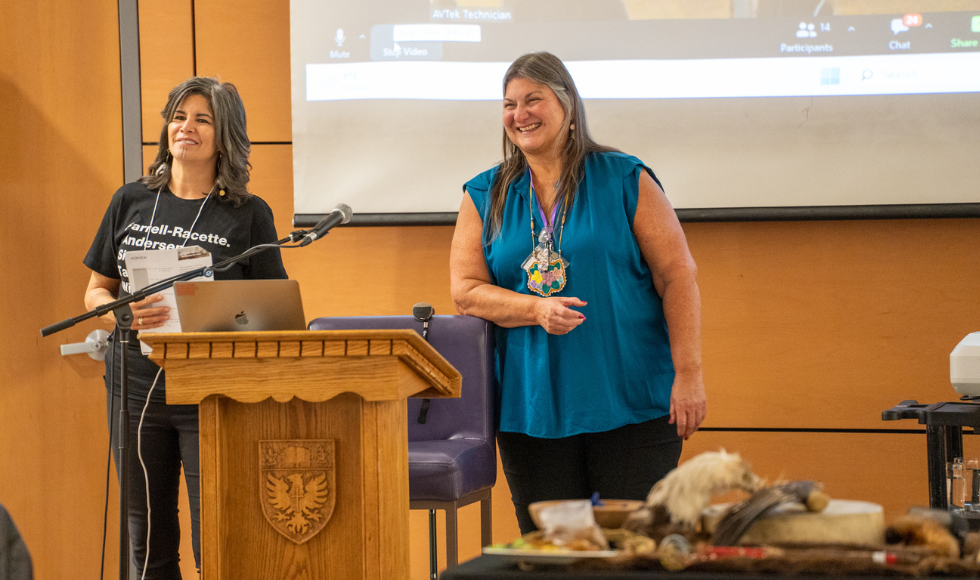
(297, 486)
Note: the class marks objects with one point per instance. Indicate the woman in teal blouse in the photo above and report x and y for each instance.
(573, 250)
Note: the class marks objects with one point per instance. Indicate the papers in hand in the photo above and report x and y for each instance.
(147, 267)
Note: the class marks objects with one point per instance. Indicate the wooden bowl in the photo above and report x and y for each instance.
(610, 515)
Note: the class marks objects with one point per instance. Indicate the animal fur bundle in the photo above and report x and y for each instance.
(675, 503)
(922, 531)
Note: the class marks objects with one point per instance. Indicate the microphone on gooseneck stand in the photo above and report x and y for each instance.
(340, 215)
(423, 312)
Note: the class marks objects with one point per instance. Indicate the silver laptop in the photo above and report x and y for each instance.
(228, 305)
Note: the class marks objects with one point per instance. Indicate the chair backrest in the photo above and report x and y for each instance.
(467, 343)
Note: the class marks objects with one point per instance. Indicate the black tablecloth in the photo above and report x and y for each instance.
(499, 568)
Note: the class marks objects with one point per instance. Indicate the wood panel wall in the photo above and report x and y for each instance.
(60, 160)
(811, 329)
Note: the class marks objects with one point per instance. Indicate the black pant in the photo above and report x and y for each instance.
(620, 464)
(169, 439)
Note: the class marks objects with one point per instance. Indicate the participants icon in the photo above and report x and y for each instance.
(806, 30)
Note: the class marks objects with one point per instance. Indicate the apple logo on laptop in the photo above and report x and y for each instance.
(241, 318)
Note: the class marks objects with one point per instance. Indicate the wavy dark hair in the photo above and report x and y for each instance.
(574, 139)
(230, 136)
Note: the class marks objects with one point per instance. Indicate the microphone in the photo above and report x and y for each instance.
(340, 215)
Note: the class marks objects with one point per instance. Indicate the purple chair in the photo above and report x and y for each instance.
(452, 456)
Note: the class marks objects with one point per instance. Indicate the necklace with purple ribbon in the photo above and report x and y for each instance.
(546, 269)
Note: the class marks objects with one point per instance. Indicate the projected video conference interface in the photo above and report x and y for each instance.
(766, 104)
(460, 53)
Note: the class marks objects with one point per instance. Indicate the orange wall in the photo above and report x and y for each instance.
(815, 325)
(60, 159)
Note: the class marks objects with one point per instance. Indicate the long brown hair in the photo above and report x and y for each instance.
(574, 138)
(231, 138)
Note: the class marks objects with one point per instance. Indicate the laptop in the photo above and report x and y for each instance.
(239, 305)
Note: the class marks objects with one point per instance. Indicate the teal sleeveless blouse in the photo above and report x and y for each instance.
(613, 370)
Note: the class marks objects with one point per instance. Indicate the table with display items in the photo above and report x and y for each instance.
(492, 567)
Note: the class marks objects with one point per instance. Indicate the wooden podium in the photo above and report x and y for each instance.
(304, 447)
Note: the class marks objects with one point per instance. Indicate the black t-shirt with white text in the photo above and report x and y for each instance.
(131, 224)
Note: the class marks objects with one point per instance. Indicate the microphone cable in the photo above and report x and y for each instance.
(146, 476)
(108, 463)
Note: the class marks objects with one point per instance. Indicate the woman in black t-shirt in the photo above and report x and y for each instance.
(196, 194)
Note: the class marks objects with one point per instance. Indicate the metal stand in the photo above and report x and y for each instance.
(944, 437)
(124, 321)
(433, 551)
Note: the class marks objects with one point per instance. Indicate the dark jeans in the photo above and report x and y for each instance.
(169, 439)
(620, 464)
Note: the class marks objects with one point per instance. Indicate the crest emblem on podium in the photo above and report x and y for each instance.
(297, 485)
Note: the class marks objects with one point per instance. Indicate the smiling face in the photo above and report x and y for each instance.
(191, 131)
(533, 117)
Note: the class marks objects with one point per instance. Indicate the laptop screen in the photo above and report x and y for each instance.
(239, 305)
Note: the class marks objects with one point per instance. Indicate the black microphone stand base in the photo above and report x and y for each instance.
(124, 321)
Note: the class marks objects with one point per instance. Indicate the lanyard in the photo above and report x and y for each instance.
(153, 216)
(549, 224)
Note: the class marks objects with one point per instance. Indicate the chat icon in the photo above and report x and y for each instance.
(898, 26)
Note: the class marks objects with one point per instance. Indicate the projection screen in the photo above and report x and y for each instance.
(746, 109)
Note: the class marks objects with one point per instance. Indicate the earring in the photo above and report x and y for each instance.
(217, 171)
(162, 168)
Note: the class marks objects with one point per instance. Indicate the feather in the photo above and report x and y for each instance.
(740, 516)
